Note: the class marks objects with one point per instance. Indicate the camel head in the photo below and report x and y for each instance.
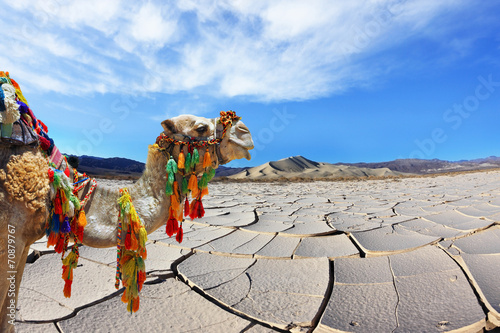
(235, 144)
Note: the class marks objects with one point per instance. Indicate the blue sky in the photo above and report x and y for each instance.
(334, 81)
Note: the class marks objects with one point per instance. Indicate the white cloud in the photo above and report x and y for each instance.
(279, 50)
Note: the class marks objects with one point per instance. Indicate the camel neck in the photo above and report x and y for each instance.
(148, 197)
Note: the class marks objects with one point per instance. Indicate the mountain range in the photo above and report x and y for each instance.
(297, 167)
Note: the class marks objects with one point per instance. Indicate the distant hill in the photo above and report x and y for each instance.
(297, 166)
(433, 166)
(114, 167)
(301, 167)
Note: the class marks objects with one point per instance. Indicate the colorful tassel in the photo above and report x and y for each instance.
(60, 244)
(186, 208)
(193, 184)
(195, 159)
(180, 235)
(65, 227)
(182, 160)
(82, 219)
(188, 163)
(169, 189)
(57, 204)
(184, 187)
(170, 227)
(128, 239)
(196, 209)
(207, 160)
(211, 174)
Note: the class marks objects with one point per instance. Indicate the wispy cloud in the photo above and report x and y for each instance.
(271, 51)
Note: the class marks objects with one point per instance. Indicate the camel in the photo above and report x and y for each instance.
(25, 197)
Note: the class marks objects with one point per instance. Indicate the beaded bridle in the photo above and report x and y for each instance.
(226, 119)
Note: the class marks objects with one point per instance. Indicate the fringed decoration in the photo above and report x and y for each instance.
(182, 160)
(188, 163)
(131, 269)
(69, 264)
(186, 208)
(180, 235)
(184, 187)
(133, 276)
(195, 159)
(196, 209)
(207, 160)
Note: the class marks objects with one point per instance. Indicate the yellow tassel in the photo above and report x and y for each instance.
(143, 237)
(207, 160)
(182, 161)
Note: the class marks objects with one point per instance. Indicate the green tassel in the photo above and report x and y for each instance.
(57, 180)
(172, 166)
(203, 183)
(171, 178)
(184, 186)
(196, 159)
(169, 189)
(211, 174)
(188, 164)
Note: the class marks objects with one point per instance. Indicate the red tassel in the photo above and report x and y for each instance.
(51, 175)
(128, 239)
(176, 226)
(180, 235)
(141, 278)
(197, 210)
(57, 204)
(186, 208)
(170, 227)
(60, 245)
(201, 210)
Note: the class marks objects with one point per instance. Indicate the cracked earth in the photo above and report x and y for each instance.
(408, 255)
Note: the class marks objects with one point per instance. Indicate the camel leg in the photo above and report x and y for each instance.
(13, 255)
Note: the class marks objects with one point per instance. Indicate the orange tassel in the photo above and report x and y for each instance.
(193, 186)
(53, 239)
(135, 305)
(82, 219)
(67, 288)
(134, 243)
(124, 297)
(204, 192)
(174, 203)
(207, 160)
(182, 160)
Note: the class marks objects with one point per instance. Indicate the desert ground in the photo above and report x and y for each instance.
(395, 255)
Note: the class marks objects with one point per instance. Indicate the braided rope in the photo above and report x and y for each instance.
(118, 251)
(226, 119)
(87, 196)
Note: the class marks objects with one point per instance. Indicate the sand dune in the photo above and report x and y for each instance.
(299, 166)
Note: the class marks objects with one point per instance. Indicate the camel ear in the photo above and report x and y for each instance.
(169, 127)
